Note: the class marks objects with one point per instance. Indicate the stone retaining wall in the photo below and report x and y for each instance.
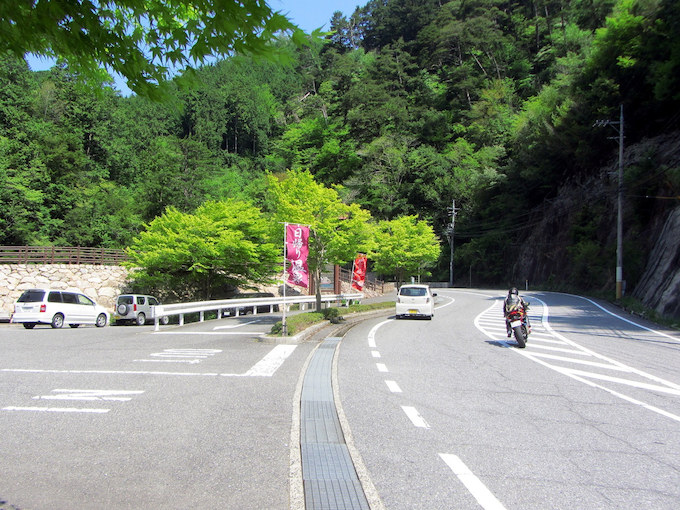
(101, 283)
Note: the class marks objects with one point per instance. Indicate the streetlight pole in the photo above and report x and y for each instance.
(619, 221)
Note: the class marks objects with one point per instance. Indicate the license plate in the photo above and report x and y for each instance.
(413, 312)
(515, 324)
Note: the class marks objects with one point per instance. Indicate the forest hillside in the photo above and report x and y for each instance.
(409, 105)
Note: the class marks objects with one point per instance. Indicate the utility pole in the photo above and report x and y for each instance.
(619, 222)
(450, 230)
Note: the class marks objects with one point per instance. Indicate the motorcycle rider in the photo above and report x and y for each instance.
(513, 302)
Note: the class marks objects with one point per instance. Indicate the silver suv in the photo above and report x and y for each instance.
(136, 308)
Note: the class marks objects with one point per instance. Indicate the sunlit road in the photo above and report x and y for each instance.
(451, 414)
(447, 413)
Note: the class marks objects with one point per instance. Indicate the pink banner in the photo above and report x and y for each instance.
(297, 250)
(359, 272)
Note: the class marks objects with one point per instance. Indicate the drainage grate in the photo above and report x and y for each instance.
(329, 478)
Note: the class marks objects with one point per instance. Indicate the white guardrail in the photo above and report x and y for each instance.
(223, 305)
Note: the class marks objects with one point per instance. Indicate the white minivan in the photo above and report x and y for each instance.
(56, 308)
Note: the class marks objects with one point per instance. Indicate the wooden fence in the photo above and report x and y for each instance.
(61, 255)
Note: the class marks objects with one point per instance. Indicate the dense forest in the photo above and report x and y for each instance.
(409, 105)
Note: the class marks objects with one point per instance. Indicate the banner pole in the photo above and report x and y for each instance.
(284, 327)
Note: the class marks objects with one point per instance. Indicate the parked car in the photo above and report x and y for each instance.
(136, 309)
(56, 308)
(415, 300)
(245, 309)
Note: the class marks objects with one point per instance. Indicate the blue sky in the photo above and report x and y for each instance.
(307, 14)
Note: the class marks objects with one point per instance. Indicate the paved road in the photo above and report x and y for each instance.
(120, 417)
(449, 413)
(444, 414)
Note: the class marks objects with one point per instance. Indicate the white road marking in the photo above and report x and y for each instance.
(393, 386)
(583, 376)
(253, 333)
(480, 491)
(237, 325)
(90, 395)
(381, 367)
(375, 354)
(56, 410)
(190, 361)
(268, 365)
(415, 417)
(371, 334)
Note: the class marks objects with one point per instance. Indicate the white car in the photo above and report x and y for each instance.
(56, 308)
(415, 300)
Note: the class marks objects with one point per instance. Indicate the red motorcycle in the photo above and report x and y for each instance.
(517, 322)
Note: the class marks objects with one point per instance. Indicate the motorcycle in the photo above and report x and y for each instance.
(517, 322)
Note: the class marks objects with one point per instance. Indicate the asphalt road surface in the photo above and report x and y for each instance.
(446, 413)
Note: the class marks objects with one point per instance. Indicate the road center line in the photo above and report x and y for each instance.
(393, 386)
(415, 417)
(480, 491)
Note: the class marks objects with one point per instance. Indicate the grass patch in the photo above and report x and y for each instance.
(301, 321)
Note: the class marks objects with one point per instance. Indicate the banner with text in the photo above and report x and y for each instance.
(359, 272)
(297, 250)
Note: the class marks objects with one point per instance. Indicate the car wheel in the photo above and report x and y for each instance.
(57, 321)
(164, 320)
(101, 320)
(73, 325)
(29, 325)
(141, 319)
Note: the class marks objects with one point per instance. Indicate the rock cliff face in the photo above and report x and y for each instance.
(659, 286)
(651, 226)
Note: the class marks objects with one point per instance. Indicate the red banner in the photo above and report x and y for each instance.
(359, 272)
(297, 250)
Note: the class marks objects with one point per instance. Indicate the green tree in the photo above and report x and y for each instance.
(222, 245)
(143, 40)
(337, 230)
(404, 247)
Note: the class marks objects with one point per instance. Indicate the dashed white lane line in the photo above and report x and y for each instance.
(381, 367)
(393, 386)
(415, 417)
(375, 354)
(480, 492)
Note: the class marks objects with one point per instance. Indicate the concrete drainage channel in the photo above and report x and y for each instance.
(329, 478)
(327, 472)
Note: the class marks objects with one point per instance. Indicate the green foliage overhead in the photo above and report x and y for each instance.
(143, 40)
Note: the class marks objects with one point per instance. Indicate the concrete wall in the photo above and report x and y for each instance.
(101, 283)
